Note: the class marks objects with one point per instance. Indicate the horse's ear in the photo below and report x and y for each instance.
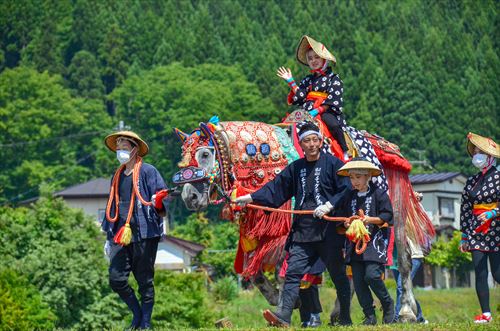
(205, 130)
(181, 135)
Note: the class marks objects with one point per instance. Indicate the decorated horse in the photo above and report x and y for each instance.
(223, 160)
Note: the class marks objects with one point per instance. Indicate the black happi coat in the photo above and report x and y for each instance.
(311, 184)
(481, 189)
(329, 83)
(375, 203)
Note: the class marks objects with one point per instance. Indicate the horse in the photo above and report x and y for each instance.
(223, 159)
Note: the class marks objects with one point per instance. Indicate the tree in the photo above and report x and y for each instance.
(84, 78)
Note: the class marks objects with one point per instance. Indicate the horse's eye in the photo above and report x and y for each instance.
(205, 154)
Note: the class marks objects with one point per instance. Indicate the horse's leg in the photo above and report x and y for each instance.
(335, 314)
(268, 290)
(408, 310)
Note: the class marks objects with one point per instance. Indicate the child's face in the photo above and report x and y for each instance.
(359, 181)
(314, 61)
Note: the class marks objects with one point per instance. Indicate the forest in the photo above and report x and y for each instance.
(421, 73)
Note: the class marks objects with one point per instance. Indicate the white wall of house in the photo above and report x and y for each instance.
(172, 257)
(441, 200)
(95, 207)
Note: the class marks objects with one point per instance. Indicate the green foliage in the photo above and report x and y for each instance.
(46, 134)
(21, 305)
(225, 289)
(60, 251)
(445, 253)
(181, 301)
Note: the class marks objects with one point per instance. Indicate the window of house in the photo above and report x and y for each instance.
(446, 208)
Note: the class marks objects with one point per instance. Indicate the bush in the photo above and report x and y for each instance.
(181, 301)
(225, 289)
(21, 305)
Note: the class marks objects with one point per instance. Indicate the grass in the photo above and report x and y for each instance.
(451, 309)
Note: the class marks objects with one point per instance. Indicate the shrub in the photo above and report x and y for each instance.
(180, 301)
(225, 289)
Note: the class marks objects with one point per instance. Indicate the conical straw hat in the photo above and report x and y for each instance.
(486, 145)
(359, 164)
(110, 141)
(307, 43)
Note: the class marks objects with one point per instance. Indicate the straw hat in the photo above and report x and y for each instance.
(306, 43)
(110, 141)
(486, 145)
(359, 163)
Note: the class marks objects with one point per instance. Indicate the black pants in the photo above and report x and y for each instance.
(480, 261)
(309, 302)
(302, 257)
(138, 258)
(335, 128)
(368, 275)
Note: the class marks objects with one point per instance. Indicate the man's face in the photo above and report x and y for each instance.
(124, 144)
(311, 145)
(314, 61)
(359, 181)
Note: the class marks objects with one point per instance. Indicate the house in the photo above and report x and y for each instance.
(441, 198)
(177, 254)
(91, 197)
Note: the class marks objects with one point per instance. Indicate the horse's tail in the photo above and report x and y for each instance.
(417, 224)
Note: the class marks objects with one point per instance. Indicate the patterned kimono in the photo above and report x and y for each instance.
(375, 203)
(481, 193)
(330, 85)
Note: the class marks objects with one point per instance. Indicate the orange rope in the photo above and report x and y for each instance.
(114, 194)
(299, 212)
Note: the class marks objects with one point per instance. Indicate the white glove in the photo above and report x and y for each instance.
(322, 210)
(244, 199)
(107, 248)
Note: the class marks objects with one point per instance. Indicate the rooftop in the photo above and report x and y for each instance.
(433, 178)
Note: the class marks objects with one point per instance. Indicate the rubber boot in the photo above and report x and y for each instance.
(147, 311)
(133, 305)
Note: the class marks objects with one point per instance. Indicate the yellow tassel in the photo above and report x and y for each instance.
(126, 235)
(357, 231)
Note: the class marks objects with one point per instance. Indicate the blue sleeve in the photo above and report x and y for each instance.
(105, 226)
(276, 192)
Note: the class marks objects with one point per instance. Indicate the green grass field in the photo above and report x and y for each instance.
(444, 309)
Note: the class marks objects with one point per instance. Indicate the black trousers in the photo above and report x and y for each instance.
(367, 275)
(138, 258)
(302, 257)
(335, 128)
(309, 302)
(480, 261)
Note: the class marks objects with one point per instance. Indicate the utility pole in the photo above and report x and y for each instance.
(121, 126)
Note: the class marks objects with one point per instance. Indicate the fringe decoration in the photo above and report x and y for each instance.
(408, 210)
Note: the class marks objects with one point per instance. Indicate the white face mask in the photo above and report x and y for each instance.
(480, 160)
(123, 156)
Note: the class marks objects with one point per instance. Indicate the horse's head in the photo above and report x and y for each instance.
(198, 167)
